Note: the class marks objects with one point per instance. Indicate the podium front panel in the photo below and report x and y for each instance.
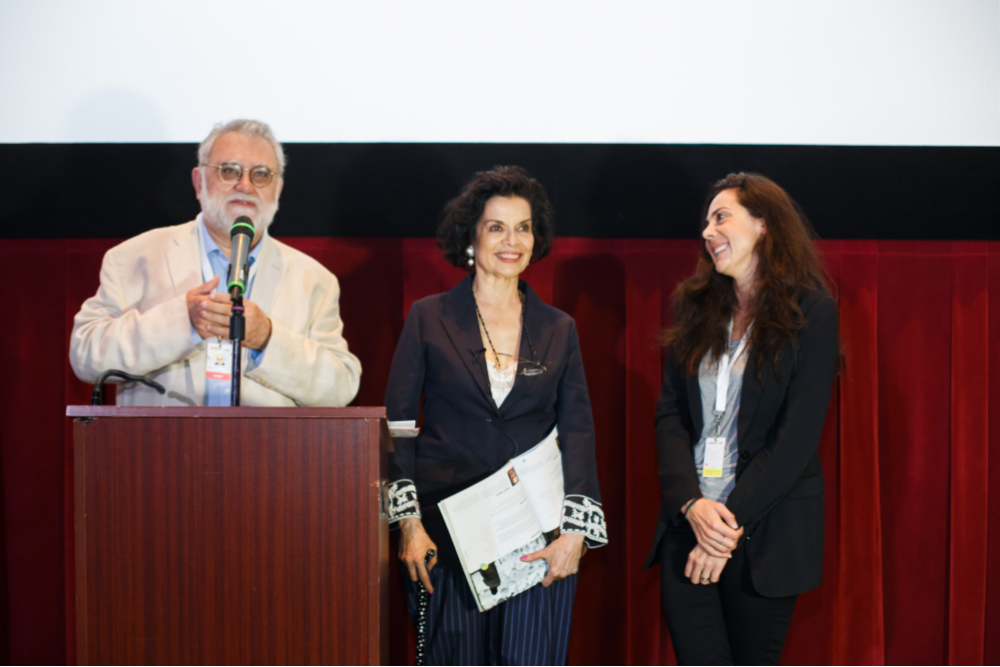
(251, 538)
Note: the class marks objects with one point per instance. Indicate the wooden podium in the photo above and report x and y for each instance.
(231, 535)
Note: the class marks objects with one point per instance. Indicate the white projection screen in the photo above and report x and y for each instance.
(850, 72)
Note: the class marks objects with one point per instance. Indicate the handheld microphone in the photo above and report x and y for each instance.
(241, 234)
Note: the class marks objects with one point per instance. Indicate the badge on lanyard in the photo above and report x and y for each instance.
(219, 360)
(218, 372)
(715, 447)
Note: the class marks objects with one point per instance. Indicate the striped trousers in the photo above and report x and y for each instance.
(529, 629)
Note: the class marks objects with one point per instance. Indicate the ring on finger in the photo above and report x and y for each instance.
(705, 580)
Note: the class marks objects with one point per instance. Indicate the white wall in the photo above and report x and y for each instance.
(875, 72)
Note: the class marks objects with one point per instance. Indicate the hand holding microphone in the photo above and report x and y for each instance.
(216, 311)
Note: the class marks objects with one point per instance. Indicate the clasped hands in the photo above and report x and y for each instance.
(717, 532)
(210, 313)
(563, 555)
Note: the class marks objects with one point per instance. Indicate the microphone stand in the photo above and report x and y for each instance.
(237, 330)
(241, 236)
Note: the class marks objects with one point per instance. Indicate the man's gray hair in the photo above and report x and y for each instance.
(256, 127)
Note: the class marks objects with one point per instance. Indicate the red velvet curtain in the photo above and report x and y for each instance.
(912, 530)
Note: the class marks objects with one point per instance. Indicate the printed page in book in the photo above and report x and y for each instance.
(540, 471)
(492, 525)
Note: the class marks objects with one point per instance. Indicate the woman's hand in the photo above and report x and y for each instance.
(714, 526)
(563, 557)
(702, 567)
(414, 543)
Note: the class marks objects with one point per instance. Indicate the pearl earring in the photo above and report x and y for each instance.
(471, 252)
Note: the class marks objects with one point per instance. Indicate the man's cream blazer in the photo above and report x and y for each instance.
(138, 322)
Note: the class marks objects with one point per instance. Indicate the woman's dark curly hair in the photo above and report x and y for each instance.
(788, 266)
(461, 215)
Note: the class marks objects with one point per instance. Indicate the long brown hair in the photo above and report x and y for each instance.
(787, 267)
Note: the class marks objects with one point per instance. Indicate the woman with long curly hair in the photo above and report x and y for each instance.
(752, 355)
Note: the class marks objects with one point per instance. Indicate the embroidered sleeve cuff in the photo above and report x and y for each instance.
(584, 516)
(403, 501)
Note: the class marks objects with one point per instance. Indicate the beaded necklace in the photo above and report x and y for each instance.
(496, 356)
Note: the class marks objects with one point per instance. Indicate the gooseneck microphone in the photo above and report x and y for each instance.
(95, 397)
(241, 234)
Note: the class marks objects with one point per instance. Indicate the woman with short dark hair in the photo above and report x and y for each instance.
(462, 214)
(752, 355)
(497, 369)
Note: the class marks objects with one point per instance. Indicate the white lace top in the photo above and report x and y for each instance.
(501, 382)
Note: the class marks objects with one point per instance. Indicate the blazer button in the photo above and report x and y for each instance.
(745, 454)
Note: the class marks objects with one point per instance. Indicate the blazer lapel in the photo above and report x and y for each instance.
(268, 276)
(694, 403)
(749, 398)
(183, 257)
(541, 333)
(459, 322)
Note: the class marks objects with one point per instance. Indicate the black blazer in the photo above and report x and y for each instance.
(778, 496)
(464, 436)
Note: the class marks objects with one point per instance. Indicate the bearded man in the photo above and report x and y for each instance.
(162, 310)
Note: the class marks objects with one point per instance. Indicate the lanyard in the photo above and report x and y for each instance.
(723, 374)
(206, 266)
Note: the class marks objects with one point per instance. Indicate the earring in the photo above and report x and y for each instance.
(471, 252)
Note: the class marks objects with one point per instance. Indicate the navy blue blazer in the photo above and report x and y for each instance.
(464, 436)
(778, 497)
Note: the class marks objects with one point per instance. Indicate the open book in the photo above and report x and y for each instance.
(504, 517)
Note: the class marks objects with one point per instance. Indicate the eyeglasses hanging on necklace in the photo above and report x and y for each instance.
(528, 367)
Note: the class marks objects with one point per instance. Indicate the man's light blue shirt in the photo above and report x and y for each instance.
(217, 391)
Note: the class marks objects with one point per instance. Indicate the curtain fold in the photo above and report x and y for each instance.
(912, 561)
(991, 654)
(970, 355)
(4, 597)
(644, 262)
(859, 630)
(914, 366)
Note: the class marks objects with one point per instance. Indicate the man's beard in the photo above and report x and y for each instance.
(213, 209)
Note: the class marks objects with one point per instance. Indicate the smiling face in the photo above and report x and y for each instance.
(222, 203)
(731, 236)
(503, 239)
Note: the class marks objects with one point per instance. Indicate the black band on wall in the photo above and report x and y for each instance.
(599, 190)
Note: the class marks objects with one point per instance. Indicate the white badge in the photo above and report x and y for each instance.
(219, 360)
(715, 449)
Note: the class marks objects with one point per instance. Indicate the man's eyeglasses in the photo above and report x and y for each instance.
(260, 175)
